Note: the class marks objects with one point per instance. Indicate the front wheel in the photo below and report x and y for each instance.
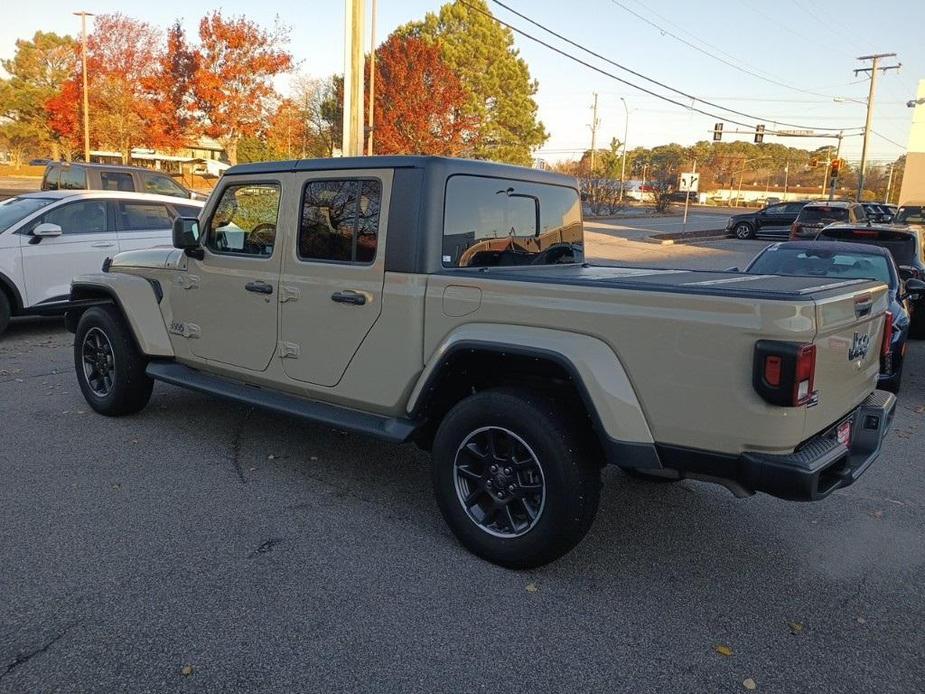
(512, 479)
(744, 231)
(110, 368)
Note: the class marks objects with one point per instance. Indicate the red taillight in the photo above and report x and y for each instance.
(865, 233)
(772, 371)
(887, 335)
(805, 375)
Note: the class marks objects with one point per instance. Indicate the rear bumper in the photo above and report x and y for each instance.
(817, 468)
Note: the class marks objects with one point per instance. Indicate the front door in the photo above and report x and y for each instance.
(50, 263)
(229, 313)
(333, 273)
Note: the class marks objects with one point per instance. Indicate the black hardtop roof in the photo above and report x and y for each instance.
(449, 164)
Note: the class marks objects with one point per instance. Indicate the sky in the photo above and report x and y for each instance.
(784, 61)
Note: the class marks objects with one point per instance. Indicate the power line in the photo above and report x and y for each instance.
(716, 57)
(884, 137)
(631, 71)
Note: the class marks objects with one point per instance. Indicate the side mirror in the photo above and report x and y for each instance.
(47, 230)
(186, 235)
(914, 288)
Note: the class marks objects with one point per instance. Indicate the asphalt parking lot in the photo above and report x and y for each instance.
(202, 546)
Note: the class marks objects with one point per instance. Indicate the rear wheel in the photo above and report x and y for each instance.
(512, 479)
(5, 312)
(744, 231)
(110, 368)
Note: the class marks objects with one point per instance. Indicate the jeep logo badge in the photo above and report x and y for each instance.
(860, 346)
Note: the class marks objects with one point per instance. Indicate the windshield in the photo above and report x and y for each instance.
(910, 214)
(15, 210)
(822, 263)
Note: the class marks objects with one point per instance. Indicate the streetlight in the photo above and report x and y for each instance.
(626, 128)
(912, 103)
(83, 61)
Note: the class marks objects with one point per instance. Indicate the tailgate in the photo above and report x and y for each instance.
(849, 330)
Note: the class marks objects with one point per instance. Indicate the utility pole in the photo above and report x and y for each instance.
(825, 172)
(889, 185)
(353, 78)
(626, 129)
(786, 178)
(595, 122)
(372, 79)
(83, 64)
(834, 183)
(873, 69)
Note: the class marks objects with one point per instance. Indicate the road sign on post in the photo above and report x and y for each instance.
(690, 182)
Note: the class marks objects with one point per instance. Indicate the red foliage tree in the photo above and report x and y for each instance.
(233, 84)
(419, 101)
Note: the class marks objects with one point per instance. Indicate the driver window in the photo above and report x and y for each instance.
(244, 220)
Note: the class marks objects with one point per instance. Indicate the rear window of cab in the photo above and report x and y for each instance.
(497, 222)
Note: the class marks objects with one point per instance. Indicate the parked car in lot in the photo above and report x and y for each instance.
(772, 221)
(841, 260)
(912, 213)
(905, 243)
(127, 179)
(47, 238)
(816, 215)
(448, 302)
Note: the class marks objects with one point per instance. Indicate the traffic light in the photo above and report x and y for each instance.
(759, 134)
(717, 132)
(834, 167)
(813, 163)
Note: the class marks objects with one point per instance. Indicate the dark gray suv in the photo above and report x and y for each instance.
(817, 215)
(61, 175)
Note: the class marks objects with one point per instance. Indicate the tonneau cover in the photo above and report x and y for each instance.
(676, 281)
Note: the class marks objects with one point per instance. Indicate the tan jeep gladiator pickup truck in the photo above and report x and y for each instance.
(448, 302)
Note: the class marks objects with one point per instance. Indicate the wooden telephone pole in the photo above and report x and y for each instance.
(873, 70)
(353, 130)
(83, 65)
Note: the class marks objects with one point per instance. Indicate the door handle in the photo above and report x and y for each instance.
(349, 296)
(259, 287)
(102, 244)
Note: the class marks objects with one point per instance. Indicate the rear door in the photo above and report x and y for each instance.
(117, 180)
(88, 237)
(142, 224)
(775, 221)
(333, 272)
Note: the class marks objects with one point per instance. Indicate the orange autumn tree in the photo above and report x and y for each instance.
(418, 101)
(233, 85)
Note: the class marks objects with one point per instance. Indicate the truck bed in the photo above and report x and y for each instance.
(705, 282)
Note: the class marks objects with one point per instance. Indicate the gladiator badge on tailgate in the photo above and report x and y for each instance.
(860, 346)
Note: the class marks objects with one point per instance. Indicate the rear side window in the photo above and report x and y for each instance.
(50, 181)
(501, 222)
(142, 216)
(910, 214)
(340, 220)
(117, 180)
(73, 178)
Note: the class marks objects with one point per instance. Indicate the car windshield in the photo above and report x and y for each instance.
(823, 263)
(821, 214)
(910, 214)
(14, 211)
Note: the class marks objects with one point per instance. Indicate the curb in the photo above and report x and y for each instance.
(688, 237)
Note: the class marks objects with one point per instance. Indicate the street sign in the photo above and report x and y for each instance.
(797, 133)
(690, 182)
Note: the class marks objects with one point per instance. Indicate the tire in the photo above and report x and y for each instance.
(5, 312)
(646, 477)
(917, 322)
(743, 231)
(538, 500)
(110, 368)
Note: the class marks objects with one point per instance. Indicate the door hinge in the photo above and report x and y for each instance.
(288, 350)
(287, 293)
(185, 281)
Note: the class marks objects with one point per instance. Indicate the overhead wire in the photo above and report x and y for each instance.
(692, 97)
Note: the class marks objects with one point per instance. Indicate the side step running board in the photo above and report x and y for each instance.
(389, 429)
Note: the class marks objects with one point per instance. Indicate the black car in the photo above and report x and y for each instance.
(850, 261)
(772, 221)
(905, 243)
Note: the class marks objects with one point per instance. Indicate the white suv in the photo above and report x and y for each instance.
(47, 238)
